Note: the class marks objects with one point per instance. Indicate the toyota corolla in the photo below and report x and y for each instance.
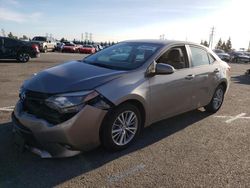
(109, 97)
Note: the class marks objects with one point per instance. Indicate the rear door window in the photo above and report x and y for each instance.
(1, 42)
(9, 42)
(199, 56)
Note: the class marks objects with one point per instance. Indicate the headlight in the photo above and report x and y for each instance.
(74, 102)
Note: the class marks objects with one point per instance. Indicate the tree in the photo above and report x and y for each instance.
(205, 43)
(223, 46)
(25, 37)
(219, 44)
(63, 39)
(10, 35)
(3, 32)
(228, 45)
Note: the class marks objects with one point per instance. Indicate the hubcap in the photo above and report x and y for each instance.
(23, 57)
(124, 128)
(218, 98)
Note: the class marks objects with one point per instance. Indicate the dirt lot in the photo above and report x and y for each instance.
(195, 149)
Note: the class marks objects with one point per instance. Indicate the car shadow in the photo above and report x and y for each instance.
(8, 61)
(28, 170)
(241, 79)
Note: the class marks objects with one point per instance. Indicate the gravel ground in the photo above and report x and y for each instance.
(194, 149)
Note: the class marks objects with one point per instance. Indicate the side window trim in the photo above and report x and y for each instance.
(210, 56)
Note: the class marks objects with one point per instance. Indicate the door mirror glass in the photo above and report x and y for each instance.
(162, 68)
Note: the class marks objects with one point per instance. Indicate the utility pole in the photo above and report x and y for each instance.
(211, 38)
(90, 37)
(81, 37)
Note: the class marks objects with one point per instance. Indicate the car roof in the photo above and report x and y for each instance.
(163, 42)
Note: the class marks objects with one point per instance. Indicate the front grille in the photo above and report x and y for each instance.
(34, 103)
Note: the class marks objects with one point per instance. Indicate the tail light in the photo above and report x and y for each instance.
(35, 47)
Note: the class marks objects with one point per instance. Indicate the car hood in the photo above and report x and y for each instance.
(70, 77)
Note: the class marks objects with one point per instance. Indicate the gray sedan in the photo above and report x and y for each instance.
(110, 96)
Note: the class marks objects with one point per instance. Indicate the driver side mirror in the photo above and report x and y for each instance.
(162, 68)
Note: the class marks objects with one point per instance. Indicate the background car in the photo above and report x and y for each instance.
(239, 57)
(70, 47)
(98, 47)
(222, 55)
(59, 46)
(17, 49)
(44, 43)
(87, 49)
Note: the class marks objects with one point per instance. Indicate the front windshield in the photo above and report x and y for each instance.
(123, 56)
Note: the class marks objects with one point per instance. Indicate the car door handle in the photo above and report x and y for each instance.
(216, 70)
(190, 77)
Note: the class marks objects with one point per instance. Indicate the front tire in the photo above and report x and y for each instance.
(217, 100)
(45, 50)
(121, 127)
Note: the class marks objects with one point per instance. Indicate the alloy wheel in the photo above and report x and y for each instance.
(23, 57)
(124, 128)
(218, 98)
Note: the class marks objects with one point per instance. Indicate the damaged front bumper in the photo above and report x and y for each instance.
(80, 133)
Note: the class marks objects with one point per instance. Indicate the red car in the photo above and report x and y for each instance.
(70, 47)
(87, 49)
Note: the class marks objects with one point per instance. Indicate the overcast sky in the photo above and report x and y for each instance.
(118, 20)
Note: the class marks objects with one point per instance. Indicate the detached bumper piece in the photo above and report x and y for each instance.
(25, 140)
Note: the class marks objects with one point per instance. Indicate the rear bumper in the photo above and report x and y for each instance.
(85, 51)
(35, 55)
(80, 133)
(69, 50)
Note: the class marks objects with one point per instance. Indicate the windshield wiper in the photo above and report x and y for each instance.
(100, 65)
(103, 65)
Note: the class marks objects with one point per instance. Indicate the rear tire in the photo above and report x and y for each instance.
(217, 100)
(121, 127)
(23, 57)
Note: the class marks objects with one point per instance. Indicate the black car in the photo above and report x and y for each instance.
(17, 49)
(222, 55)
(240, 57)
